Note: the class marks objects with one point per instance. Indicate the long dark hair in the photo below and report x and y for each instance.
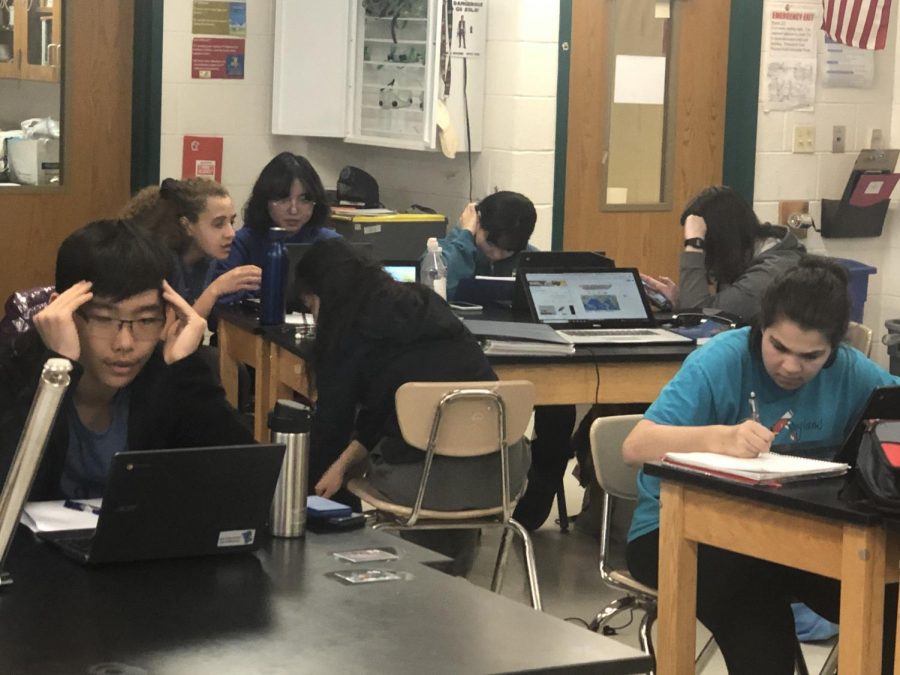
(352, 290)
(732, 229)
(275, 182)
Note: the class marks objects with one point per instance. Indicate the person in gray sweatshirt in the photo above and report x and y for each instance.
(729, 257)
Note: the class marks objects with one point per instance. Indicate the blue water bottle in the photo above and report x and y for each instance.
(274, 279)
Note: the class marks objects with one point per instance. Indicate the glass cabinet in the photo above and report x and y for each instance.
(31, 39)
(377, 73)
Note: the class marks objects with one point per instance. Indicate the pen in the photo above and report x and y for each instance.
(754, 410)
(80, 506)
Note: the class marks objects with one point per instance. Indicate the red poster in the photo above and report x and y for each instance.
(217, 59)
(202, 156)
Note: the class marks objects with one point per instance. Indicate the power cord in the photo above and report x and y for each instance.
(468, 126)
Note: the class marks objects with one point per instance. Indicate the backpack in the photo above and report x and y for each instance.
(358, 187)
(877, 474)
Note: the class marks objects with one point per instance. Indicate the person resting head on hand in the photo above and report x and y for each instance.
(725, 246)
(137, 381)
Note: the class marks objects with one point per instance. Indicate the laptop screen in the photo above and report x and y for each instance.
(401, 270)
(588, 297)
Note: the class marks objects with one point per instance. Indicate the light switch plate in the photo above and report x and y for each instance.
(804, 138)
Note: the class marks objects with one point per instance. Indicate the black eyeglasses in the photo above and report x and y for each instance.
(143, 329)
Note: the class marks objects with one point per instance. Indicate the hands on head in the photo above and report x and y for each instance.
(184, 328)
(469, 219)
(56, 322)
(182, 334)
(694, 226)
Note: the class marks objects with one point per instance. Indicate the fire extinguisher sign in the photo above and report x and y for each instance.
(202, 156)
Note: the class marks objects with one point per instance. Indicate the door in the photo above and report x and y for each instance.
(96, 150)
(648, 238)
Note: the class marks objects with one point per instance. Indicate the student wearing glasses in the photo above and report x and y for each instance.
(137, 382)
(194, 218)
(791, 365)
(287, 194)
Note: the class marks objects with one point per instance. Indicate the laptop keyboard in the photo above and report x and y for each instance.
(610, 332)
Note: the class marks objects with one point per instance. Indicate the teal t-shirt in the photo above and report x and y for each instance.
(713, 387)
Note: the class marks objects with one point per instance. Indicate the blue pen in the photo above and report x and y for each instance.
(80, 506)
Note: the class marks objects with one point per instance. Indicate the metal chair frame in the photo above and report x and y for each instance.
(398, 517)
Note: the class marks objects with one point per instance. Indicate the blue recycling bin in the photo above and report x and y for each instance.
(859, 286)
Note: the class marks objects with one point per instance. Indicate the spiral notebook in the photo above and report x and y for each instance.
(769, 468)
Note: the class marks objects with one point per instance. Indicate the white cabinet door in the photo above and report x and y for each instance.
(394, 70)
(310, 84)
(343, 69)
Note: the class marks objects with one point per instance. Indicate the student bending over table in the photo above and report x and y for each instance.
(794, 362)
(287, 194)
(725, 245)
(374, 334)
(137, 383)
(194, 218)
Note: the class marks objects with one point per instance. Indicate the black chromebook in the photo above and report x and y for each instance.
(177, 503)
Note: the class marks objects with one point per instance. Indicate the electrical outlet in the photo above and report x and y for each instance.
(838, 138)
(804, 138)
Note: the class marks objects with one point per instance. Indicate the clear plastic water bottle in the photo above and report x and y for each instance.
(434, 269)
(274, 279)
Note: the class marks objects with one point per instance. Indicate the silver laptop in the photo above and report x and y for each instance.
(595, 306)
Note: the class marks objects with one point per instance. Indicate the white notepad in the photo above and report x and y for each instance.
(769, 467)
(53, 516)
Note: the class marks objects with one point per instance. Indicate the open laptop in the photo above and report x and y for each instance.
(402, 270)
(883, 404)
(177, 503)
(595, 306)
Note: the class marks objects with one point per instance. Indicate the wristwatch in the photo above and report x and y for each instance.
(696, 242)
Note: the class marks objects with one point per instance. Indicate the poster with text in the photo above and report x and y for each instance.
(211, 17)
(202, 156)
(468, 30)
(845, 66)
(217, 59)
(790, 34)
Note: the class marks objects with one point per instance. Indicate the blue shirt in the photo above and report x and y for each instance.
(189, 281)
(90, 453)
(713, 387)
(465, 260)
(249, 248)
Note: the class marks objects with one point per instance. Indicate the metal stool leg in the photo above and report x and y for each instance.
(561, 508)
(500, 562)
(530, 566)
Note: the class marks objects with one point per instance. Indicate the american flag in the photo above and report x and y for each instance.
(858, 23)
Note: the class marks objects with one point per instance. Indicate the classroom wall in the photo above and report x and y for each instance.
(519, 126)
(519, 123)
(783, 175)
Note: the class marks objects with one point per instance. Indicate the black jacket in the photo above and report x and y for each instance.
(413, 337)
(170, 406)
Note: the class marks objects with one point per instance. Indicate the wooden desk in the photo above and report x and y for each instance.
(279, 611)
(601, 374)
(804, 526)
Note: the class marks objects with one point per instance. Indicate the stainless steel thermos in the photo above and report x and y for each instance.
(289, 424)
